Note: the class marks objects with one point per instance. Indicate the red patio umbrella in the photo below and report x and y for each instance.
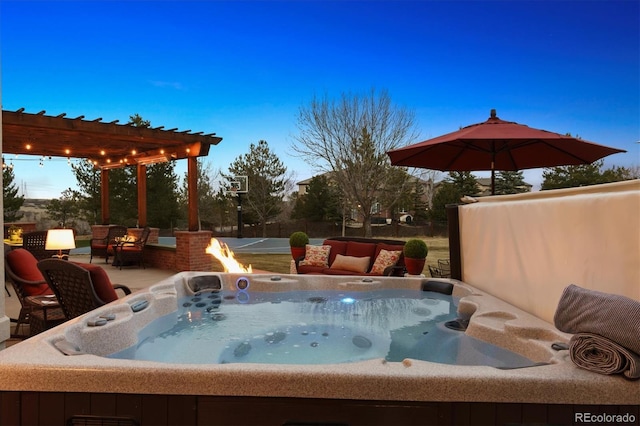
(498, 145)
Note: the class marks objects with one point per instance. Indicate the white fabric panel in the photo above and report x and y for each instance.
(527, 251)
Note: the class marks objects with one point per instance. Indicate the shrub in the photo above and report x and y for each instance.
(298, 239)
(415, 248)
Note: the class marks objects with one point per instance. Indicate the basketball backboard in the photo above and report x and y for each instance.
(238, 185)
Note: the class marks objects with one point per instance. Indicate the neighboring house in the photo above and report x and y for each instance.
(430, 188)
(485, 186)
(303, 185)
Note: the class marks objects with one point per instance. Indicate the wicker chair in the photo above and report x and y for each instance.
(35, 242)
(79, 289)
(445, 267)
(132, 252)
(435, 272)
(103, 247)
(21, 271)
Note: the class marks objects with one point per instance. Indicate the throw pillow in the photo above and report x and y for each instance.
(351, 263)
(385, 259)
(316, 256)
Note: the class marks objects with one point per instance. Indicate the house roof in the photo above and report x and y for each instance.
(106, 144)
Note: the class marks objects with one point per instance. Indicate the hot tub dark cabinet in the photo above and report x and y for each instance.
(67, 408)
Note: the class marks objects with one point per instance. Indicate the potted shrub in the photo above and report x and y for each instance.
(298, 242)
(415, 255)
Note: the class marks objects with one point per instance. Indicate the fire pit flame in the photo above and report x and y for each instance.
(221, 251)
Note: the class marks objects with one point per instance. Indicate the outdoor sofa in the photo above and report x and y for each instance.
(353, 256)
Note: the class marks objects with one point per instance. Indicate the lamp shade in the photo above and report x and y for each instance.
(60, 239)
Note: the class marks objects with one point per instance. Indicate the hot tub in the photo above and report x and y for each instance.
(48, 376)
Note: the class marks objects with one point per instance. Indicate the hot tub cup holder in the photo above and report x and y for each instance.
(459, 324)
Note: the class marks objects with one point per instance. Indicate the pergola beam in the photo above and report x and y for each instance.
(108, 145)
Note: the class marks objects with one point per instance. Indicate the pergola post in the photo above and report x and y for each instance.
(104, 196)
(142, 195)
(192, 192)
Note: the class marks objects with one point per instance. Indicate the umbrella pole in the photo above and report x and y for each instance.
(493, 178)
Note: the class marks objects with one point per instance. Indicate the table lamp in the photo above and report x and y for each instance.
(60, 239)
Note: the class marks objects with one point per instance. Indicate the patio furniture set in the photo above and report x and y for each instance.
(52, 290)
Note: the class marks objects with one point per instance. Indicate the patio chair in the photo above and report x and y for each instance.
(103, 247)
(38, 305)
(80, 288)
(445, 268)
(132, 252)
(35, 242)
(435, 272)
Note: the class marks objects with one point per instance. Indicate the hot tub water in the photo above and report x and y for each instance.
(313, 327)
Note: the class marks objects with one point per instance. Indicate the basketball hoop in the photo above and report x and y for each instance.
(233, 191)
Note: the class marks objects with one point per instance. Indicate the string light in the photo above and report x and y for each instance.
(5, 165)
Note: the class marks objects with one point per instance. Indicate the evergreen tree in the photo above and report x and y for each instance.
(321, 202)
(464, 182)
(510, 182)
(267, 183)
(12, 201)
(88, 198)
(454, 187)
(447, 193)
(64, 209)
(123, 196)
(163, 208)
(420, 206)
(207, 215)
(582, 175)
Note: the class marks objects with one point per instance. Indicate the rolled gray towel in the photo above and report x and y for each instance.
(601, 355)
(612, 316)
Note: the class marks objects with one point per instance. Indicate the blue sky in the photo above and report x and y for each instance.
(242, 69)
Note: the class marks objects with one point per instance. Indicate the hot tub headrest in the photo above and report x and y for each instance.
(204, 282)
(437, 286)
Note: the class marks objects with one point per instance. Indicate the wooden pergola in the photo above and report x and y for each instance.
(108, 145)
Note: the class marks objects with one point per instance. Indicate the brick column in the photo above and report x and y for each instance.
(190, 251)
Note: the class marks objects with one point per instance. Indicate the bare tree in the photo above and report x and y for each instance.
(350, 138)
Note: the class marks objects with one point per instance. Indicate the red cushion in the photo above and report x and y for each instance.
(337, 247)
(361, 249)
(25, 265)
(101, 282)
(308, 269)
